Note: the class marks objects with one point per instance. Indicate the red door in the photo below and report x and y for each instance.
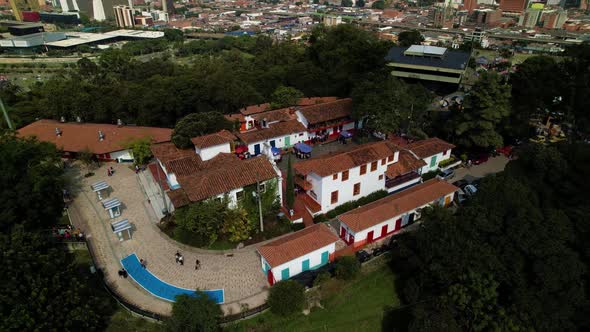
(370, 237)
(398, 224)
(271, 278)
(342, 232)
(384, 230)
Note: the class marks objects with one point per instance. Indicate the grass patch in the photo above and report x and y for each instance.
(357, 305)
(221, 244)
(122, 320)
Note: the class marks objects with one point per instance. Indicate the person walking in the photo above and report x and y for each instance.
(181, 260)
(142, 263)
(197, 265)
(177, 257)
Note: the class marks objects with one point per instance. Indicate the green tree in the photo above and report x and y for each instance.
(285, 96)
(346, 3)
(409, 38)
(141, 150)
(87, 158)
(360, 3)
(486, 106)
(236, 224)
(380, 4)
(347, 267)
(194, 313)
(198, 124)
(290, 190)
(174, 35)
(286, 297)
(202, 219)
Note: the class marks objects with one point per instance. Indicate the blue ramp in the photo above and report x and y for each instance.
(159, 288)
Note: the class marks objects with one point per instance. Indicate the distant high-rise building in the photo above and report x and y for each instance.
(124, 16)
(442, 17)
(168, 6)
(530, 18)
(554, 19)
(488, 16)
(513, 5)
(93, 8)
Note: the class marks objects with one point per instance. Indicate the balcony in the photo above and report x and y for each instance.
(398, 180)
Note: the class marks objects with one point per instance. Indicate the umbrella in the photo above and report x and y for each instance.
(303, 148)
(275, 151)
(345, 134)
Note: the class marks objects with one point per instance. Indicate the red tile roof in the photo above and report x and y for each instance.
(220, 137)
(315, 100)
(168, 151)
(297, 244)
(334, 110)
(282, 114)
(406, 163)
(391, 206)
(220, 176)
(253, 109)
(337, 162)
(76, 137)
(275, 130)
(429, 147)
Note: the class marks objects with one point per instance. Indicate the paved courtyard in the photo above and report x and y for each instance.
(492, 166)
(238, 272)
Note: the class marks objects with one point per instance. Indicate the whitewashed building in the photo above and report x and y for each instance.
(384, 217)
(307, 249)
(432, 151)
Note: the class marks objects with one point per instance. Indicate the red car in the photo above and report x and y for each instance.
(482, 158)
(505, 150)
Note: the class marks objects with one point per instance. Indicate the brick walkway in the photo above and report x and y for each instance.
(240, 275)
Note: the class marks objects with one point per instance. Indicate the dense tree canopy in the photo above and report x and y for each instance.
(198, 124)
(409, 38)
(194, 314)
(516, 257)
(285, 96)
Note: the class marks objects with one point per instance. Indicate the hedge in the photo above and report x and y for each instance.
(447, 162)
(350, 206)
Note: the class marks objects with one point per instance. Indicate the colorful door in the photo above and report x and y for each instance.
(447, 200)
(411, 218)
(287, 141)
(305, 265)
(257, 149)
(384, 230)
(433, 161)
(335, 130)
(398, 224)
(271, 278)
(272, 143)
(370, 237)
(325, 257)
(285, 274)
(342, 232)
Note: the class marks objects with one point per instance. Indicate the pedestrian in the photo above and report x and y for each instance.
(112, 170)
(121, 273)
(177, 257)
(197, 264)
(124, 274)
(181, 260)
(109, 172)
(136, 169)
(142, 263)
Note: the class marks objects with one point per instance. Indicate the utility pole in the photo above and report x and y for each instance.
(8, 122)
(259, 205)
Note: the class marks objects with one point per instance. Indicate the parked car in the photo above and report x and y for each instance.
(362, 256)
(446, 175)
(480, 159)
(460, 183)
(379, 251)
(470, 190)
(505, 150)
(460, 196)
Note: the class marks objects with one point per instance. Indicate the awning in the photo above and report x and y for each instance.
(345, 134)
(111, 203)
(99, 186)
(241, 149)
(275, 151)
(302, 147)
(121, 225)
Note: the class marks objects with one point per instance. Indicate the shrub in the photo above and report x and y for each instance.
(286, 297)
(347, 267)
(322, 278)
(430, 175)
(447, 162)
(320, 218)
(297, 227)
(354, 204)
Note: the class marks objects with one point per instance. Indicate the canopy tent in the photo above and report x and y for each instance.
(241, 149)
(345, 134)
(275, 151)
(112, 205)
(120, 226)
(100, 188)
(303, 148)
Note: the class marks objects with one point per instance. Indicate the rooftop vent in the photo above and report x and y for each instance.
(57, 131)
(100, 135)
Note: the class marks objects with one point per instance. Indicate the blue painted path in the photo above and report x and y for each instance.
(159, 288)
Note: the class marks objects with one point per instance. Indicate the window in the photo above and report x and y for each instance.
(334, 198)
(344, 175)
(363, 169)
(335, 176)
(301, 134)
(390, 159)
(240, 195)
(373, 166)
(381, 177)
(383, 161)
(445, 152)
(356, 189)
(263, 187)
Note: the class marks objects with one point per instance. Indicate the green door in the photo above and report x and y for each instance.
(433, 161)
(287, 141)
(325, 256)
(285, 274)
(305, 265)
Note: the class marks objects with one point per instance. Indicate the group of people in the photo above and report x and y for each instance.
(110, 171)
(123, 273)
(68, 233)
(180, 260)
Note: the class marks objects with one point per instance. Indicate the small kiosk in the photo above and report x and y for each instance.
(101, 189)
(112, 205)
(121, 226)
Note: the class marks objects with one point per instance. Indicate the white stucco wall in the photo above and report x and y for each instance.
(123, 155)
(295, 266)
(212, 151)
(280, 141)
(439, 158)
(405, 184)
(302, 119)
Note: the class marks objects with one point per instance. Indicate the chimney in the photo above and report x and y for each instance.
(62, 119)
(119, 122)
(78, 119)
(57, 131)
(100, 135)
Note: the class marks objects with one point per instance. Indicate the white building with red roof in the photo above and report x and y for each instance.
(304, 250)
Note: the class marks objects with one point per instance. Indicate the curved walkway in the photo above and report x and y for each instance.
(237, 272)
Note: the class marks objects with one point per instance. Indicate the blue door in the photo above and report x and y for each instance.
(256, 149)
(266, 267)
(272, 143)
(285, 274)
(325, 256)
(305, 265)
